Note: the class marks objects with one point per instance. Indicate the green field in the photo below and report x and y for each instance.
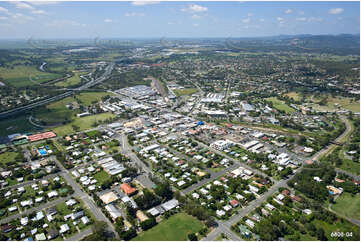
(86, 98)
(348, 205)
(186, 91)
(83, 123)
(14, 125)
(280, 105)
(101, 177)
(294, 95)
(7, 157)
(343, 102)
(18, 76)
(57, 112)
(175, 228)
(337, 226)
(74, 80)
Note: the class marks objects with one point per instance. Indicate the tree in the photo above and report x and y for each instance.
(321, 234)
(99, 232)
(164, 190)
(192, 237)
(147, 224)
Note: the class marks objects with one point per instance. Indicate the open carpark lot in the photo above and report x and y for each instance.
(24, 197)
(292, 217)
(224, 196)
(57, 222)
(178, 172)
(199, 155)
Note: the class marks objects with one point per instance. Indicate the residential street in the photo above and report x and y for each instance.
(88, 201)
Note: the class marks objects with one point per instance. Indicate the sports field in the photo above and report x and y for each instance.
(176, 228)
(280, 105)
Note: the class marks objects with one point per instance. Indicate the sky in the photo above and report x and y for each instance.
(191, 19)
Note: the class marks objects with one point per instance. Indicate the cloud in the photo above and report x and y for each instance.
(108, 20)
(246, 20)
(195, 25)
(335, 11)
(250, 14)
(281, 21)
(43, 2)
(21, 18)
(261, 19)
(315, 19)
(288, 11)
(38, 12)
(194, 8)
(134, 14)
(3, 18)
(142, 3)
(23, 5)
(4, 10)
(64, 23)
(301, 12)
(310, 19)
(195, 16)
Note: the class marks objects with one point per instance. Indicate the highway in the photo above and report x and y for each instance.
(93, 82)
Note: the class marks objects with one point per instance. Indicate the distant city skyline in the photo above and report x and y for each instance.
(191, 19)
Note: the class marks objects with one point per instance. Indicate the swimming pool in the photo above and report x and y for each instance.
(42, 152)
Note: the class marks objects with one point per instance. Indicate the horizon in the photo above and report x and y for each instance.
(196, 19)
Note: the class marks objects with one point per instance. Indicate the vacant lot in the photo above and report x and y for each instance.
(74, 80)
(18, 76)
(176, 227)
(7, 157)
(280, 105)
(186, 91)
(101, 177)
(83, 123)
(348, 205)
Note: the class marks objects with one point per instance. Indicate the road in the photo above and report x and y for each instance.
(79, 236)
(234, 160)
(224, 225)
(14, 111)
(35, 209)
(88, 201)
(338, 139)
(31, 182)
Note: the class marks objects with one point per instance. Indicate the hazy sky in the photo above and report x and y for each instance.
(175, 19)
